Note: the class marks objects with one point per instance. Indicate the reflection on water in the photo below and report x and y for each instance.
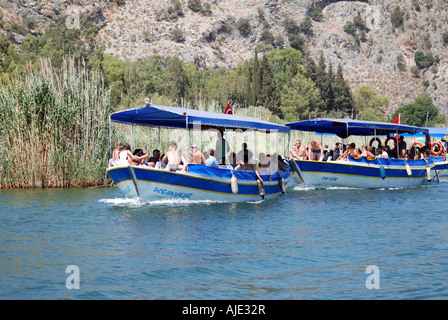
(308, 244)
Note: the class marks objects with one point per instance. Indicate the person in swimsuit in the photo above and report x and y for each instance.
(314, 149)
(173, 158)
(298, 151)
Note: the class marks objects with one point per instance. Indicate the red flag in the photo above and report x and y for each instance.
(397, 120)
(228, 109)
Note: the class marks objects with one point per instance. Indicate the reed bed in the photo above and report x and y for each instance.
(53, 127)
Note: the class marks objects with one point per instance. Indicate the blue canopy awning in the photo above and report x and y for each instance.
(345, 127)
(434, 132)
(175, 117)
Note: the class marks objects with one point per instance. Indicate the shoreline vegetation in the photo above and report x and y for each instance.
(54, 127)
(58, 88)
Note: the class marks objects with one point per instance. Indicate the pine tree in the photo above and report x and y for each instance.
(256, 80)
(330, 91)
(343, 97)
(269, 97)
(322, 82)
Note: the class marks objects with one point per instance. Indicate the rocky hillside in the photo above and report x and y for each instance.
(376, 48)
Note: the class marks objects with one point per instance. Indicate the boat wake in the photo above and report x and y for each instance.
(136, 203)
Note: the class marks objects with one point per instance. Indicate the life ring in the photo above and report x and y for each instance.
(390, 138)
(375, 139)
(417, 142)
(436, 143)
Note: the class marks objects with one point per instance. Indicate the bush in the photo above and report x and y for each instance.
(243, 26)
(195, 5)
(445, 38)
(290, 25)
(397, 17)
(316, 14)
(350, 28)
(424, 61)
(177, 35)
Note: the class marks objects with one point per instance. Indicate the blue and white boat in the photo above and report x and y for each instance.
(377, 173)
(198, 182)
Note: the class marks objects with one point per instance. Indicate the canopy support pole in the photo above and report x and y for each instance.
(188, 139)
(398, 147)
(159, 139)
(255, 147)
(110, 138)
(376, 149)
(132, 136)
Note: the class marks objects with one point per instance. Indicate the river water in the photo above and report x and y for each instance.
(307, 244)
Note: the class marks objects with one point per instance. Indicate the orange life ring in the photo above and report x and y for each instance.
(375, 139)
(417, 142)
(390, 138)
(440, 148)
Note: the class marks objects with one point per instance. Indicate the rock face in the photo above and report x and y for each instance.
(382, 57)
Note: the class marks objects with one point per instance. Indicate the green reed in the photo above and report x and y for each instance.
(53, 127)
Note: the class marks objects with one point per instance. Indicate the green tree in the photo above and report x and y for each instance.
(300, 99)
(269, 97)
(195, 5)
(369, 105)
(415, 113)
(343, 98)
(397, 17)
(243, 25)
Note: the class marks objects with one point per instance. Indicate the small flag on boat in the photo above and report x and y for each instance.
(228, 109)
(397, 120)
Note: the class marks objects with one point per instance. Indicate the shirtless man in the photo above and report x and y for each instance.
(174, 157)
(298, 151)
(196, 155)
(314, 150)
(353, 152)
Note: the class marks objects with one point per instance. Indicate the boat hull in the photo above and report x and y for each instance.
(152, 184)
(359, 174)
(440, 166)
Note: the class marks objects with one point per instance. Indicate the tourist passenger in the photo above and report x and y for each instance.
(196, 155)
(240, 156)
(337, 151)
(298, 151)
(403, 154)
(125, 156)
(173, 158)
(383, 153)
(314, 150)
(116, 152)
(155, 157)
(263, 163)
(245, 165)
(353, 152)
(367, 153)
(211, 160)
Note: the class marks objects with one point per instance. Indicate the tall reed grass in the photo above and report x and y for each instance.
(53, 127)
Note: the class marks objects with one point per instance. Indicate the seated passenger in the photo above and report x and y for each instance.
(155, 158)
(196, 155)
(245, 165)
(263, 164)
(211, 160)
(125, 156)
(298, 151)
(173, 158)
(116, 152)
(353, 152)
(382, 153)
